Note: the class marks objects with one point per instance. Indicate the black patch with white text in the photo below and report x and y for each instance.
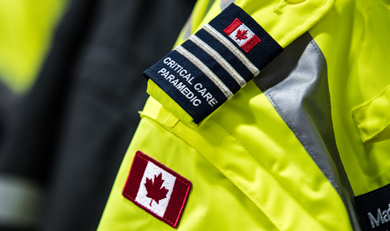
(216, 62)
(374, 209)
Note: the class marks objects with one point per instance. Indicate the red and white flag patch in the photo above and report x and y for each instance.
(157, 189)
(242, 35)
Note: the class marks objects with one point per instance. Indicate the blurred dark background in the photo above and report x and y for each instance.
(71, 87)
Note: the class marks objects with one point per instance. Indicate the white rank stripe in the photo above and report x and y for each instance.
(252, 68)
(202, 67)
(217, 57)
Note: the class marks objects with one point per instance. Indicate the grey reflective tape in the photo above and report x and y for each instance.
(252, 68)
(20, 202)
(202, 67)
(296, 84)
(217, 57)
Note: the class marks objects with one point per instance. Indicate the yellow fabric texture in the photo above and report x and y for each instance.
(247, 168)
(278, 23)
(25, 32)
(373, 116)
(354, 42)
(238, 182)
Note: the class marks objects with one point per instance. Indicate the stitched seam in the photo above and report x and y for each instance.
(177, 178)
(304, 20)
(272, 174)
(233, 181)
(343, 172)
(322, 57)
(149, 210)
(358, 122)
(154, 95)
(376, 133)
(301, 140)
(228, 176)
(358, 126)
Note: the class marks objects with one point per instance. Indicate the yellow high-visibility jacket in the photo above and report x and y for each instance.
(300, 146)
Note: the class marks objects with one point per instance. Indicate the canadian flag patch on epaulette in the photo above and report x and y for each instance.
(157, 189)
(242, 35)
(216, 62)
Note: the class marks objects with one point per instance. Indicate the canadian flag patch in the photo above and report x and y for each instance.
(242, 35)
(157, 189)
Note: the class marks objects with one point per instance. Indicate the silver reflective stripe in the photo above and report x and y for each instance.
(226, 3)
(252, 68)
(20, 202)
(202, 67)
(296, 84)
(217, 57)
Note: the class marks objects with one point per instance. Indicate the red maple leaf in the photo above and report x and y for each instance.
(154, 189)
(241, 34)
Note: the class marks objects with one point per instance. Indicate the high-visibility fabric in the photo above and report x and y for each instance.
(26, 30)
(250, 167)
(358, 71)
(65, 145)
